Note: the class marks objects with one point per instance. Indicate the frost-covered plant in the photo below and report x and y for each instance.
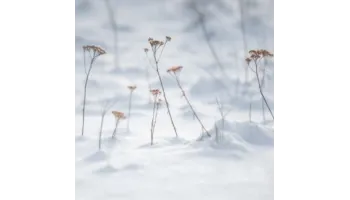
(94, 53)
(156, 46)
(118, 116)
(174, 72)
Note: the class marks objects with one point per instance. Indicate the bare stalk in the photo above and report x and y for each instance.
(84, 101)
(153, 120)
(216, 134)
(188, 102)
(115, 129)
(106, 107)
(221, 113)
(97, 51)
(154, 49)
(129, 114)
(260, 88)
(100, 134)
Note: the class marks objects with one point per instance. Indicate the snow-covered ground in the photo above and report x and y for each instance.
(235, 163)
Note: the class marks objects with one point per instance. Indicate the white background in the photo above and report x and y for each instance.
(312, 133)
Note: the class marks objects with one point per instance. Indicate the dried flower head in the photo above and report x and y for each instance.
(118, 115)
(168, 38)
(155, 43)
(155, 92)
(145, 49)
(175, 69)
(132, 87)
(248, 60)
(259, 53)
(150, 39)
(92, 48)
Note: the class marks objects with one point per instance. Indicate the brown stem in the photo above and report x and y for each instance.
(115, 129)
(84, 101)
(188, 102)
(260, 89)
(164, 95)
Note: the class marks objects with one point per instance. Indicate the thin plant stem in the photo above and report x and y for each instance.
(153, 120)
(115, 129)
(129, 113)
(188, 102)
(260, 89)
(100, 134)
(164, 94)
(85, 86)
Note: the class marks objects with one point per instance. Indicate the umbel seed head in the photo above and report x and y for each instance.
(92, 48)
(155, 92)
(132, 87)
(168, 38)
(175, 69)
(259, 53)
(118, 115)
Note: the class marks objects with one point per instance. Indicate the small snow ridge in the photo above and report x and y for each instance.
(236, 135)
(132, 167)
(96, 157)
(106, 170)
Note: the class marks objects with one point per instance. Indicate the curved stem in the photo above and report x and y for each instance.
(84, 101)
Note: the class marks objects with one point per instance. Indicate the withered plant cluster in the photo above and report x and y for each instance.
(156, 50)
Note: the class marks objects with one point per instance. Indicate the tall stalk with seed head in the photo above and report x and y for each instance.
(94, 53)
(131, 88)
(156, 45)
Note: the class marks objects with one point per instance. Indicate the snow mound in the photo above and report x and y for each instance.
(106, 170)
(96, 157)
(238, 135)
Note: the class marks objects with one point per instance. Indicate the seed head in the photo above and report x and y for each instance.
(132, 87)
(155, 92)
(174, 69)
(168, 38)
(146, 50)
(95, 49)
(118, 115)
(248, 60)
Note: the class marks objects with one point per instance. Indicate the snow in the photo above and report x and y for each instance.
(236, 165)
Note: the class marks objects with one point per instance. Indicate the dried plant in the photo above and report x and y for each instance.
(156, 45)
(156, 103)
(94, 53)
(174, 72)
(106, 107)
(118, 116)
(255, 56)
(131, 88)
